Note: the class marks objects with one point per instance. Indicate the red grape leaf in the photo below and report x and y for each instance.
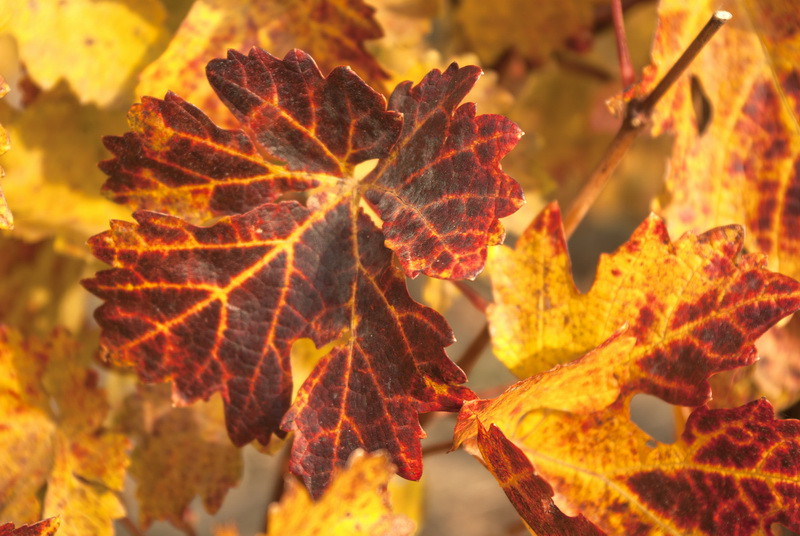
(218, 308)
(47, 527)
(530, 494)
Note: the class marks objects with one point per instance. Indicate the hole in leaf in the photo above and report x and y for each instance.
(654, 417)
(305, 356)
(780, 530)
(703, 110)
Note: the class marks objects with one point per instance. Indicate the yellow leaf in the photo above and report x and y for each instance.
(40, 287)
(332, 31)
(732, 468)
(54, 183)
(95, 45)
(6, 220)
(355, 504)
(51, 435)
(694, 305)
(742, 166)
(586, 385)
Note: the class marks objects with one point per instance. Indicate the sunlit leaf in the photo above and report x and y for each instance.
(734, 471)
(530, 494)
(695, 305)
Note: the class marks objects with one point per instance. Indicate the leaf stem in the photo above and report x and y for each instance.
(717, 20)
(473, 352)
(437, 448)
(472, 295)
(636, 116)
(625, 64)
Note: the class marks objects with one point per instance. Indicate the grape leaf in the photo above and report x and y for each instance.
(695, 305)
(534, 29)
(356, 503)
(742, 166)
(6, 219)
(333, 31)
(51, 435)
(96, 46)
(218, 308)
(167, 479)
(732, 471)
(530, 494)
(47, 527)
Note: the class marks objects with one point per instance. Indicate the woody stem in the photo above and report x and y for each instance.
(637, 115)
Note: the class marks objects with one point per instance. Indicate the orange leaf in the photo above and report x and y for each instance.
(52, 438)
(167, 479)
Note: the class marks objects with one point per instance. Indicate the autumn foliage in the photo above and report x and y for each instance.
(276, 210)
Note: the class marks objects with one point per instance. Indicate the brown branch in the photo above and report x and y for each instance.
(625, 64)
(717, 20)
(472, 295)
(578, 65)
(473, 352)
(636, 117)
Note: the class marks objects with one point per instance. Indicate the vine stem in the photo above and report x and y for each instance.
(625, 64)
(473, 352)
(472, 295)
(637, 115)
